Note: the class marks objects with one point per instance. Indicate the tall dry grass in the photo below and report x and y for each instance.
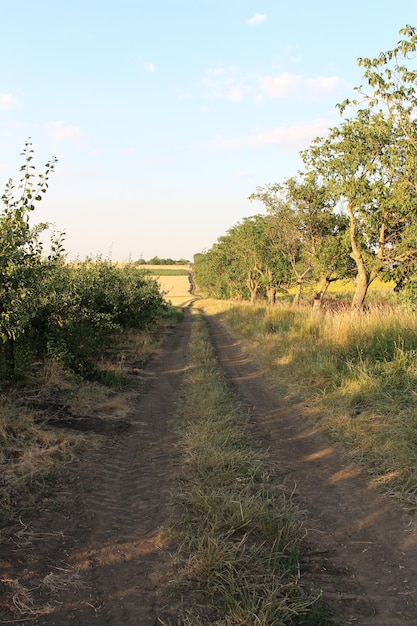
(358, 371)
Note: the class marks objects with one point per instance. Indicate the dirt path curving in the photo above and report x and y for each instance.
(100, 557)
(359, 548)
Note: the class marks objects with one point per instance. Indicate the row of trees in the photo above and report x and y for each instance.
(68, 311)
(352, 211)
(165, 261)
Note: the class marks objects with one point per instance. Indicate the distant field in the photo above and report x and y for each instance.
(174, 281)
(163, 271)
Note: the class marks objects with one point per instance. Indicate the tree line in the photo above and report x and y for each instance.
(350, 213)
(53, 309)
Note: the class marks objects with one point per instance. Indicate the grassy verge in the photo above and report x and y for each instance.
(239, 536)
(357, 371)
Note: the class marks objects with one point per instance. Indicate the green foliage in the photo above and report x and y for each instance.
(243, 264)
(51, 308)
(353, 209)
(157, 261)
(94, 301)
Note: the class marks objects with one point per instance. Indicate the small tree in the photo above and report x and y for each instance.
(21, 260)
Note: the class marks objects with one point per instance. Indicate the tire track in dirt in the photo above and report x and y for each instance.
(127, 487)
(359, 548)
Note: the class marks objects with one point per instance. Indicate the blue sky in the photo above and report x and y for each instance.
(165, 115)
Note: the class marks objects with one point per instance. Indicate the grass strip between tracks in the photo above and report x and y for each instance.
(239, 535)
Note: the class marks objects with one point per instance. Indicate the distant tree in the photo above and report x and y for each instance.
(300, 222)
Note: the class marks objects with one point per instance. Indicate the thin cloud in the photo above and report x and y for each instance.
(61, 131)
(215, 71)
(223, 83)
(295, 137)
(287, 84)
(230, 83)
(257, 18)
(7, 101)
(149, 67)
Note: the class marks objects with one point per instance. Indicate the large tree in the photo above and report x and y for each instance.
(369, 162)
(301, 221)
(243, 263)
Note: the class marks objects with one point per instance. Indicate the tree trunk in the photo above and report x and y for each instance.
(361, 289)
(321, 292)
(362, 278)
(272, 296)
(297, 295)
(253, 286)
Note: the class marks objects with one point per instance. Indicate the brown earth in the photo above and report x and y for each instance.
(94, 553)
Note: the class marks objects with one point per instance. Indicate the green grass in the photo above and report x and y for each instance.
(238, 535)
(357, 371)
(165, 272)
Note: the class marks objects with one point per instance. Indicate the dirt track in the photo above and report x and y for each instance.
(359, 546)
(107, 541)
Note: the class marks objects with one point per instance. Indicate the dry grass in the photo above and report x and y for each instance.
(176, 289)
(357, 371)
(32, 453)
(238, 536)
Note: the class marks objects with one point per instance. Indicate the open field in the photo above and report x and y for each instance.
(174, 281)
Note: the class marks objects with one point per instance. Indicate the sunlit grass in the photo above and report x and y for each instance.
(358, 370)
(239, 536)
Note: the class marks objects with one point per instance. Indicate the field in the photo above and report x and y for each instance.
(174, 281)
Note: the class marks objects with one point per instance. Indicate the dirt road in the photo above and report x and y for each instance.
(100, 558)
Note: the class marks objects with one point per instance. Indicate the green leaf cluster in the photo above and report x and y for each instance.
(50, 308)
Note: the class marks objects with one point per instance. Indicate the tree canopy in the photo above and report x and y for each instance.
(353, 210)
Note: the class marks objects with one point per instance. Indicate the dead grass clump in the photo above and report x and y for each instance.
(29, 452)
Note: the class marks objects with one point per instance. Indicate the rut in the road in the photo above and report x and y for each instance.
(127, 489)
(359, 547)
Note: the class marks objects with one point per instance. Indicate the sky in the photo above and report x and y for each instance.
(165, 115)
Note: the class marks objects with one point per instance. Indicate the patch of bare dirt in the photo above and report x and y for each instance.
(94, 553)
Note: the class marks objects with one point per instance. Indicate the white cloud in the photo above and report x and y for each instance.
(288, 84)
(59, 130)
(230, 83)
(226, 84)
(257, 18)
(149, 67)
(295, 137)
(7, 101)
(215, 71)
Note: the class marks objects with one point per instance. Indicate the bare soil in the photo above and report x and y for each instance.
(91, 551)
